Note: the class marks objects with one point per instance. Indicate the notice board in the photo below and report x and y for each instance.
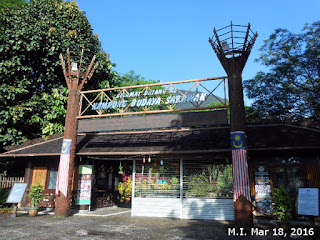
(308, 201)
(17, 192)
(263, 189)
(84, 185)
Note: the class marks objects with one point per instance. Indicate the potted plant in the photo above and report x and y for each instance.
(35, 194)
(125, 189)
(282, 205)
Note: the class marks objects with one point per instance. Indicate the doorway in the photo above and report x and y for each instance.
(105, 180)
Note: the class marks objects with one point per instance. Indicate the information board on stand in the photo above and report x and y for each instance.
(16, 193)
(84, 185)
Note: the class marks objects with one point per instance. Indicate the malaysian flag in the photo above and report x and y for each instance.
(63, 171)
(240, 166)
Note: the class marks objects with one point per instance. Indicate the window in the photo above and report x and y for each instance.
(201, 179)
(157, 178)
(291, 176)
(207, 179)
(52, 179)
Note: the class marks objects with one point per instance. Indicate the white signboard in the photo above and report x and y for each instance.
(308, 201)
(17, 192)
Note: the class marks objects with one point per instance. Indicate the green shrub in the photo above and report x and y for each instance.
(125, 188)
(3, 197)
(175, 183)
(35, 194)
(225, 182)
(198, 185)
(282, 203)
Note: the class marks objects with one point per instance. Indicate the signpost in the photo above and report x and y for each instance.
(15, 196)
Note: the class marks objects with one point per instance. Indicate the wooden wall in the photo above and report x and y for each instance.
(187, 119)
(251, 179)
(313, 175)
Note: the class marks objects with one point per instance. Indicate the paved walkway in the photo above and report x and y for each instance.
(117, 223)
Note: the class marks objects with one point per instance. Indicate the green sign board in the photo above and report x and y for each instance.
(85, 169)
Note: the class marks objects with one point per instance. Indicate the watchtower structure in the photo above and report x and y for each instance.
(232, 45)
(76, 75)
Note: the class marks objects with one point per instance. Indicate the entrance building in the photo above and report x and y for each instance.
(180, 172)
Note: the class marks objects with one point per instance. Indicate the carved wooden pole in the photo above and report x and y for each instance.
(75, 80)
(233, 57)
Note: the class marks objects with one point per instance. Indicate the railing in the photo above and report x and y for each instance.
(233, 40)
(7, 182)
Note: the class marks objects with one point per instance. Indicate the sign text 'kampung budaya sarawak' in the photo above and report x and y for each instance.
(151, 101)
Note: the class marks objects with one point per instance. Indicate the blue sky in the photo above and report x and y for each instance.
(167, 40)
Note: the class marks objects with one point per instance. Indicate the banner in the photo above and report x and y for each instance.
(240, 166)
(63, 171)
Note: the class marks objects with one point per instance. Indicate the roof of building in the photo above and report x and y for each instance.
(176, 141)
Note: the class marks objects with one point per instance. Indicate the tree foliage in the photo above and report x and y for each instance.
(33, 91)
(291, 87)
(252, 115)
(131, 78)
(11, 3)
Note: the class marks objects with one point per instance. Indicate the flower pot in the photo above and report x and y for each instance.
(127, 200)
(33, 212)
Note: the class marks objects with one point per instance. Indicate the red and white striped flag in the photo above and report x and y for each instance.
(63, 171)
(241, 184)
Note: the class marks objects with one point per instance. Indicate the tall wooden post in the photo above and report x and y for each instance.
(233, 50)
(75, 76)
